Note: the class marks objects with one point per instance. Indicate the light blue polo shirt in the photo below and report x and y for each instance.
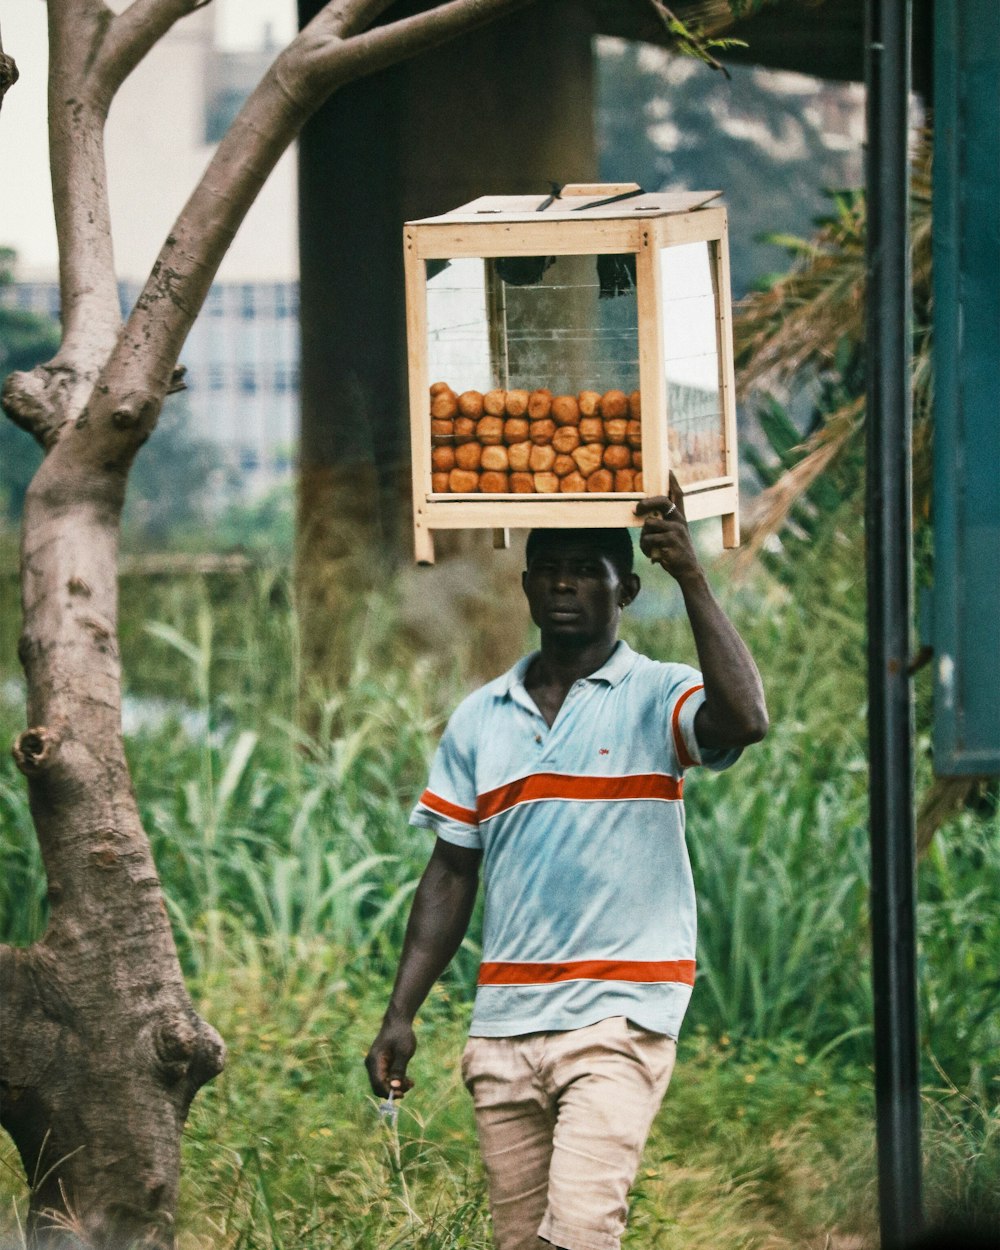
(589, 900)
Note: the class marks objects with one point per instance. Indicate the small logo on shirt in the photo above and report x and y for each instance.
(603, 751)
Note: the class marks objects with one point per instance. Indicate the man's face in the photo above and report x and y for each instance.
(576, 595)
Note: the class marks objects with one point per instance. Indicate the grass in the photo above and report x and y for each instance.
(288, 867)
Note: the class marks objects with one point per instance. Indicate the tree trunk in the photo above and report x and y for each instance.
(102, 1050)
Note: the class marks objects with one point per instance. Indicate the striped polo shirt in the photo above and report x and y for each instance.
(589, 900)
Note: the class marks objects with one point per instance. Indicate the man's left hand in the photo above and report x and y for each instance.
(665, 536)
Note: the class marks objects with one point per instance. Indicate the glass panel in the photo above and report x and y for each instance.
(691, 362)
(534, 365)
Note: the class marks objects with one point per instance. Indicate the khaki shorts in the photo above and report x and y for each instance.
(562, 1120)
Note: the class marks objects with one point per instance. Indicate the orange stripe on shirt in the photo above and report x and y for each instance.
(680, 746)
(443, 808)
(641, 970)
(565, 786)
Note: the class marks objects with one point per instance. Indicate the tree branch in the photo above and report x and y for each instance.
(132, 34)
(91, 316)
(8, 72)
(381, 46)
(356, 15)
(303, 76)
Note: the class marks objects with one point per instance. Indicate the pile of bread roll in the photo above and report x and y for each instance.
(533, 442)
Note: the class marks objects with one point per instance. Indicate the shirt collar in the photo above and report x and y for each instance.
(617, 666)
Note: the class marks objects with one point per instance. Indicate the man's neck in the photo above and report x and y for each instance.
(560, 665)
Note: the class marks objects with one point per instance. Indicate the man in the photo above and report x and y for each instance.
(564, 778)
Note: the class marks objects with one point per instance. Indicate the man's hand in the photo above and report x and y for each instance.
(665, 536)
(386, 1062)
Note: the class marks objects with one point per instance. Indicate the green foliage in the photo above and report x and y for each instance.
(288, 869)
(25, 341)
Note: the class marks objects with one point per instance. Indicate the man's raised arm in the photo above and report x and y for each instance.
(734, 713)
(439, 918)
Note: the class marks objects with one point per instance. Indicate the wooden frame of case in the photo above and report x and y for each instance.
(513, 227)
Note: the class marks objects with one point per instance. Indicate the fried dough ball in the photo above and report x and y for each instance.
(566, 438)
(463, 481)
(515, 429)
(443, 458)
(495, 403)
(615, 429)
(637, 458)
(602, 480)
(591, 430)
(635, 405)
(565, 410)
(542, 459)
(489, 431)
(616, 457)
(588, 458)
(541, 432)
(563, 465)
(468, 456)
(465, 429)
(539, 404)
(614, 405)
(440, 388)
(517, 403)
(439, 483)
(633, 433)
(573, 482)
(625, 479)
(442, 432)
(546, 484)
(519, 454)
(470, 404)
(495, 459)
(444, 406)
(637, 484)
(522, 483)
(589, 402)
(492, 483)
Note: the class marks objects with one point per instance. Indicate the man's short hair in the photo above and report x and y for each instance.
(616, 544)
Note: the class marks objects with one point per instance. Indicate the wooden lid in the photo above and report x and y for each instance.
(576, 202)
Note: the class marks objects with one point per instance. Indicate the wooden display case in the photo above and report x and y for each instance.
(603, 296)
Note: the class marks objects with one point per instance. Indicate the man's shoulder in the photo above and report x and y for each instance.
(644, 672)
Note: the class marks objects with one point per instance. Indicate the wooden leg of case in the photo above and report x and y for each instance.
(501, 540)
(423, 545)
(731, 530)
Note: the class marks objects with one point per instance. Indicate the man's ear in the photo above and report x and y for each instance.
(630, 588)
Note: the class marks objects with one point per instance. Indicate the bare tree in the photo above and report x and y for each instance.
(102, 1051)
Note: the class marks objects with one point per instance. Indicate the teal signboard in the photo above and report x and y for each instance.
(966, 617)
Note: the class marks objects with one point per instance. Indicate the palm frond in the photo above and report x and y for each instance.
(769, 512)
(808, 327)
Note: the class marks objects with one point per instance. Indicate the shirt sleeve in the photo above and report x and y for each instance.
(448, 805)
(685, 695)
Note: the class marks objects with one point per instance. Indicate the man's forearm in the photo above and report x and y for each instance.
(735, 711)
(439, 918)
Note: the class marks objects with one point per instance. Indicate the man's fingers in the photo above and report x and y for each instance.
(655, 503)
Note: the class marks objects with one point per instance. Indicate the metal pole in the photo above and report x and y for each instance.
(889, 563)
